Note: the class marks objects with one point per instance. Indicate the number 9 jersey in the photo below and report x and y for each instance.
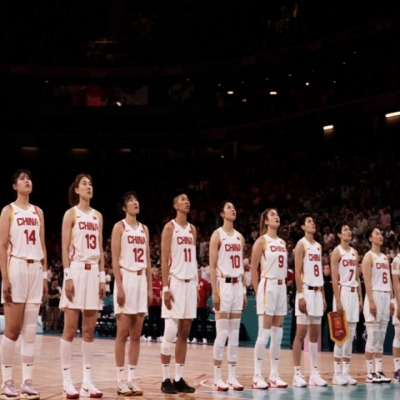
(24, 240)
(85, 237)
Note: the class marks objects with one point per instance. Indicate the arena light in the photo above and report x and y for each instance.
(393, 114)
(328, 128)
(28, 148)
(244, 100)
(230, 91)
(273, 93)
(125, 150)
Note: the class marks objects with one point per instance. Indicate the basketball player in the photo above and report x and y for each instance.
(396, 316)
(132, 290)
(377, 305)
(24, 283)
(347, 297)
(84, 282)
(310, 301)
(179, 275)
(228, 293)
(269, 251)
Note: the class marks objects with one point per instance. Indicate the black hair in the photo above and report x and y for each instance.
(124, 199)
(18, 172)
(177, 193)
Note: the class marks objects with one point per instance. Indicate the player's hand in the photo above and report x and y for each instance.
(7, 291)
(121, 297)
(391, 309)
(69, 289)
(216, 301)
(244, 302)
(168, 300)
(45, 289)
(303, 306)
(372, 308)
(339, 307)
(149, 298)
(102, 290)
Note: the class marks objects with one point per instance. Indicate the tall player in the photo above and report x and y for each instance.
(84, 282)
(228, 293)
(396, 316)
(24, 274)
(269, 251)
(377, 306)
(179, 275)
(310, 301)
(133, 289)
(347, 297)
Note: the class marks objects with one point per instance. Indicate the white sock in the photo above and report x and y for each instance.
(336, 367)
(178, 371)
(232, 371)
(87, 357)
(120, 373)
(346, 367)
(313, 350)
(165, 372)
(297, 371)
(7, 357)
(27, 369)
(131, 372)
(65, 357)
(370, 366)
(378, 364)
(217, 372)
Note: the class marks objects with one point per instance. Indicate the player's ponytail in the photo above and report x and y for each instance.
(73, 197)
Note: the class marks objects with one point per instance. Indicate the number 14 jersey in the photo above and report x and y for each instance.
(85, 246)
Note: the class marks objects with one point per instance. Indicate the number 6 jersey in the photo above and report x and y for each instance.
(24, 239)
(133, 256)
(380, 272)
(85, 237)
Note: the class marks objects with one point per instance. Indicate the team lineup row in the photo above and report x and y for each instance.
(24, 286)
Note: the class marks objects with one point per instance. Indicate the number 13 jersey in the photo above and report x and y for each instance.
(24, 239)
(85, 237)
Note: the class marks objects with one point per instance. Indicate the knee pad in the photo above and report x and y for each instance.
(263, 336)
(373, 336)
(28, 333)
(29, 326)
(233, 343)
(170, 331)
(396, 339)
(381, 337)
(276, 336)
(348, 344)
(337, 351)
(222, 326)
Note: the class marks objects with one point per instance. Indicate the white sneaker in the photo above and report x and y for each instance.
(123, 389)
(275, 381)
(205, 341)
(89, 390)
(143, 338)
(135, 389)
(194, 341)
(350, 380)
(159, 339)
(69, 391)
(234, 384)
(298, 381)
(220, 385)
(8, 390)
(259, 382)
(372, 377)
(316, 380)
(28, 391)
(339, 380)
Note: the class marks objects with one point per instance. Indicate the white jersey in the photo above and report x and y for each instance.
(183, 261)
(396, 266)
(230, 255)
(85, 238)
(380, 272)
(133, 256)
(274, 259)
(24, 238)
(347, 267)
(312, 264)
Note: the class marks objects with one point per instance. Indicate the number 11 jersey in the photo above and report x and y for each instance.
(85, 237)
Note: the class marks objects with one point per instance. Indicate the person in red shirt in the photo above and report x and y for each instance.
(204, 291)
(154, 317)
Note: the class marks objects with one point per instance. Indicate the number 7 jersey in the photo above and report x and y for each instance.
(85, 237)
(24, 239)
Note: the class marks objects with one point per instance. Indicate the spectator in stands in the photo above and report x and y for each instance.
(53, 309)
(155, 324)
(329, 302)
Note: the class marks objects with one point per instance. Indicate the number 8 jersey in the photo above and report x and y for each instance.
(85, 237)
(24, 240)
(312, 264)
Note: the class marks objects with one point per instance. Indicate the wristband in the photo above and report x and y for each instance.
(102, 277)
(67, 274)
(45, 275)
(165, 289)
(244, 290)
(300, 296)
